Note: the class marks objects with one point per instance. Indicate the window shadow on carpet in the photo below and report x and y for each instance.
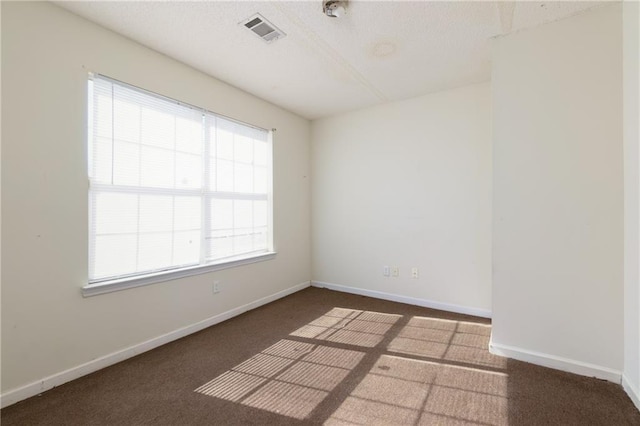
(350, 366)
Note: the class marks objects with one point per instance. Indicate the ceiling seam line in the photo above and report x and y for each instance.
(330, 52)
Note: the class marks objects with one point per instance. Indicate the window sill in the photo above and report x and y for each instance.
(142, 280)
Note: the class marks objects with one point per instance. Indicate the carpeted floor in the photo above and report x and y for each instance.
(323, 357)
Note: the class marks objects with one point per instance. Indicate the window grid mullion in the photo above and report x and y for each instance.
(253, 189)
(233, 201)
(173, 198)
(205, 207)
(113, 134)
(97, 186)
(140, 133)
(138, 235)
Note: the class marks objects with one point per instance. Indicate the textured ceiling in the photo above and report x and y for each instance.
(378, 52)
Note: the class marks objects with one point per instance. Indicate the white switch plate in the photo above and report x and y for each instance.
(414, 272)
(386, 271)
(395, 271)
(216, 287)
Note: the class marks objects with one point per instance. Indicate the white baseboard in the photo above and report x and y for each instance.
(35, 388)
(556, 362)
(633, 392)
(485, 313)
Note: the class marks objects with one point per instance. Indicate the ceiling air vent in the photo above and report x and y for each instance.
(263, 28)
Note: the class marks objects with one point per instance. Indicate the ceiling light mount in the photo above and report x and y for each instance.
(334, 8)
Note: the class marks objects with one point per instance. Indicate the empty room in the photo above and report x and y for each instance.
(320, 212)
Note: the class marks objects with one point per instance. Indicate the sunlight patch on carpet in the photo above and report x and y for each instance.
(293, 377)
(449, 340)
(349, 326)
(399, 390)
(289, 378)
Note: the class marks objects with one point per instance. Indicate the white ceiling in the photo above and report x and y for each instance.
(380, 51)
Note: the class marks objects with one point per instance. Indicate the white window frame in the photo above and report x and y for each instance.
(101, 286)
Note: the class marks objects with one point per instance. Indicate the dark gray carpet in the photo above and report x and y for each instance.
(323, 357)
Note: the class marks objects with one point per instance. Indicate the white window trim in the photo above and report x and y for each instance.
(173, 274)
(93, 288)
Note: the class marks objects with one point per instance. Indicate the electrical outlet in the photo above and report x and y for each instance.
(395, 271)
(386, 271)
(216, 287)
(414, 272)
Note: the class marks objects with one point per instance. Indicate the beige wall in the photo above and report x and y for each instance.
(407, 184)
(47, 326)
(631, 72)
(404, 184)
(558, 194)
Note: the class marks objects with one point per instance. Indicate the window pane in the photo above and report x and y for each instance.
(212, 134)
(260, 213)
(260, 185)
(243, 240)
(114, 255)
(154, 251)
(189, 134)
(186, 248)
(156, 213)
(126, 163)
(156, 167)
(103, 113)
(221, 214)
(224, 176)
(188, 171)
(243, 150)
(220, 244)
(158, 128)
(260, 238)
(187, 213)
(243, 214)
(171, 185)
(243, 178)
(224, 144)
(212, 172)
(126, 121)
(260, 153)
(115, 213)
(102, 160)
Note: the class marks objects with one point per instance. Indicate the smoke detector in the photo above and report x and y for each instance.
(264, 29)
(334, 8)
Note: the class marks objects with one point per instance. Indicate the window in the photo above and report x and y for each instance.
(171, 186)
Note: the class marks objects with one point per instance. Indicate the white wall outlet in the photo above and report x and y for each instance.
(386, 271)
(216, 287)
(395, 271)
(414, 272)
